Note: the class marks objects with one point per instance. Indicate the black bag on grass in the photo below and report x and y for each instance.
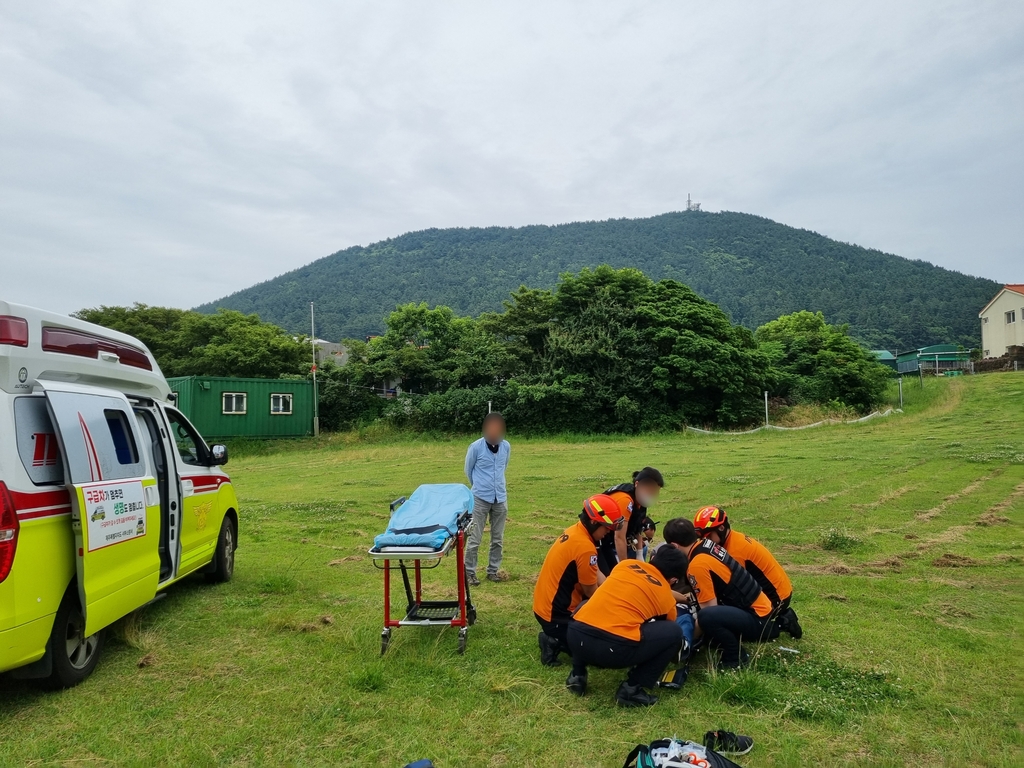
(673, 753)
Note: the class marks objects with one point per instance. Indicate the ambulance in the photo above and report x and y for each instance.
(108, 495)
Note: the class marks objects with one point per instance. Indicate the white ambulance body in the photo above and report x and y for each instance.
(107, 493)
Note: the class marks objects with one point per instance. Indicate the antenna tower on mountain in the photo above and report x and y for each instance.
(690, 205)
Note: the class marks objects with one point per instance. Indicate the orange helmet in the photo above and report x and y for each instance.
(603, 510)
(709, 518)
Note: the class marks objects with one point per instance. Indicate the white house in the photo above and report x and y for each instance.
(1002, 321)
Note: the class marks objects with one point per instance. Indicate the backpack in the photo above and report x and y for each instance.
(673, 753)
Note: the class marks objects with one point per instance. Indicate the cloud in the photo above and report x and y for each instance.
(175, 153)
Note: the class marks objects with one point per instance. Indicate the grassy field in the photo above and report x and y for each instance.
(904, 538)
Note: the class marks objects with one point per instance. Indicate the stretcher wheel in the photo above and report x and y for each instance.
(385, 640)
(462, 640)
(471, 616)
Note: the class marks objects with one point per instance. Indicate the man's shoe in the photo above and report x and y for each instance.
(684, 652)
(792, 625)
(674, 679)
(634, 696)
(473, 581)
(549, 650)
(495, 577)
(728, 743)
(576, 683)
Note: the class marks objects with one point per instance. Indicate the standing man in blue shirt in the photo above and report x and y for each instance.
(486, 461)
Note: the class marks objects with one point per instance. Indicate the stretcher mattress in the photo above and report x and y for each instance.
(428, 518)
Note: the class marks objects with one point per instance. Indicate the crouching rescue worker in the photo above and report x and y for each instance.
(713, 523)
(633, 499)
(732, 606)
(570, 574)
(613, 629)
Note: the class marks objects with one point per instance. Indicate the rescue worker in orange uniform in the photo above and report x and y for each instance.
(570, 574)
(732, 606)
(633, 499)
(713, 523)
(614, 629)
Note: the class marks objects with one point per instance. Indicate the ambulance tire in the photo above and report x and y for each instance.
(73, 657)
(223, 566)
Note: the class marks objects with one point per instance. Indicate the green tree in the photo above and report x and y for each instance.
(818, 362)
(187, 343)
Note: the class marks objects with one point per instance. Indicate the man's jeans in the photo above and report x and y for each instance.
(685, 622)
(497, 511)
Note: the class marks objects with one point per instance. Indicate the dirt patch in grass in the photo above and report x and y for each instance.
(835, 598)
(885, 498)
(991, 518)
(349, 559)
(950, 560)
(1005, 504)
(827, 569)
(954, 497)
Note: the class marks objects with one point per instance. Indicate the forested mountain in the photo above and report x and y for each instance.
(754, 268)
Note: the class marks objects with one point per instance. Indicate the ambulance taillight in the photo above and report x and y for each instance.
(13, 331)
(9, 527)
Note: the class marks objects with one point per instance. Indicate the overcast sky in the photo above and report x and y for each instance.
(172, 153)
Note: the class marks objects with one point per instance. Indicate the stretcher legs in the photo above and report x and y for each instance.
(458, 613)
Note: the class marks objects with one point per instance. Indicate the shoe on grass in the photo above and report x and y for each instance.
(791, 624)
(497, 577)
(634, 696)
(549, 650)
(576, 683)
(674, 679)
(728, 743)
(473, 581)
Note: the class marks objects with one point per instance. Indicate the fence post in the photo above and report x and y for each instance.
(766, 407)
(901, 392)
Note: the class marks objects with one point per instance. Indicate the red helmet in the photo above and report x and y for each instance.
(709, 518)
(603, 510)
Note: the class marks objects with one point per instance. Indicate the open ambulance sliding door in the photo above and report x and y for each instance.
(115, 503)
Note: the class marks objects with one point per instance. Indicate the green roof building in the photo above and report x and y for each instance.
(936, 359)
(885, 357)
(222, 406)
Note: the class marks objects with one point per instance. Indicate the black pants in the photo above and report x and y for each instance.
(556, 630)
(646, 659)
(774, 630)
(726, 626)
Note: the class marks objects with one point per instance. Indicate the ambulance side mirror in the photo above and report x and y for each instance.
(218, 454)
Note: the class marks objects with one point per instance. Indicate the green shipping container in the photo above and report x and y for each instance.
(222, 407)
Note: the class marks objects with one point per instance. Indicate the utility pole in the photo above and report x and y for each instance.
(312, 341)
(766, 407)
(901, 392)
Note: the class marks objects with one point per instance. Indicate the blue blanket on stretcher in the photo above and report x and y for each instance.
(428, 518)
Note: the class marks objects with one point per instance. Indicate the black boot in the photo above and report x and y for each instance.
(791, 625)
(634, 696)
(577, 683)
(549, 650)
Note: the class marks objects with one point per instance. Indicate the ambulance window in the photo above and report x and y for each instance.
(37, 441)
(191, 448)
(121, 434)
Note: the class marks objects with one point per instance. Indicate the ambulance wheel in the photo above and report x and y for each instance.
(224, 558)
(74, 656)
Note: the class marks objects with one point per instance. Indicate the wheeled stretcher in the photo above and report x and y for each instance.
(423, 529)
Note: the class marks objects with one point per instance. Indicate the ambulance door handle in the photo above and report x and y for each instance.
(186, 487)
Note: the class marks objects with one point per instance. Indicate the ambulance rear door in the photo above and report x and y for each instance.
(114, 498)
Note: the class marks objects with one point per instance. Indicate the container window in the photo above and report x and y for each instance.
(233, 403)
(281, 405)
(121, 434)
